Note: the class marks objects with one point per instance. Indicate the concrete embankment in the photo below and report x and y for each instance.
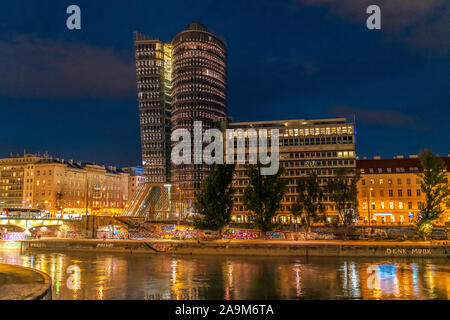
(261, 248)
(20, 283)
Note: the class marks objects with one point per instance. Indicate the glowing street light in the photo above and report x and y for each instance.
(181, 206)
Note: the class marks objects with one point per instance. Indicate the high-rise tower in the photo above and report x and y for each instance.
(154, 84)
(199, 94)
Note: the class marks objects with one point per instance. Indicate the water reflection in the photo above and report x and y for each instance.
(120, 276)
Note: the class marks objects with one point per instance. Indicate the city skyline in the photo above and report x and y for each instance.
(383, 80)
(241, 154)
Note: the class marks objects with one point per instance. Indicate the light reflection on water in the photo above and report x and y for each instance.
(124, 276)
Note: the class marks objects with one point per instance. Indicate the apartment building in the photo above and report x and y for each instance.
(389, 191)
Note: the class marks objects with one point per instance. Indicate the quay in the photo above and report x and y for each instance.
(326, 248)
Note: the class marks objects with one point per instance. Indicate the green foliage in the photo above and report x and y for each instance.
(342, 190)
(263, 196)
(309, 201)
(434, 186)
(214, 202)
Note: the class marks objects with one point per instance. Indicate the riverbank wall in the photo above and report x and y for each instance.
(254, 248)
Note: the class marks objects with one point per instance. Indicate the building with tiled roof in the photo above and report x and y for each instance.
(389, 190)
(59, 186)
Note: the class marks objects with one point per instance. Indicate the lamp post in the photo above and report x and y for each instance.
(370, 206)
(180, 204)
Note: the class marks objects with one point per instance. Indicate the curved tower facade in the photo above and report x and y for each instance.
(199, 93)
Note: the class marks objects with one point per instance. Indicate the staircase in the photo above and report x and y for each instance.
(146, 196)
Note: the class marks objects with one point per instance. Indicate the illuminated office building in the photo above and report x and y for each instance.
(179, 83)
(320, 146)
(199, 94)
(154, 84)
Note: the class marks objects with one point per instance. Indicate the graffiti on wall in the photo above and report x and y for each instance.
(275, 235)
(13, 236)
(241, 234)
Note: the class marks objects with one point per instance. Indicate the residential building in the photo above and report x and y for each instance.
(57, 186)
(12, 174)
(135, 179)
(389, 191)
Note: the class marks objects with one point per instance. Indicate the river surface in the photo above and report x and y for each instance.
(156, 277)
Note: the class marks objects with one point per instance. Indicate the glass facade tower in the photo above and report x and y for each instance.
(154, 84)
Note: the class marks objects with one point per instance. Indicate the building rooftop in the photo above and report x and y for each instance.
(196, 26)
(289, 123)
(395, 165)
(80, 165)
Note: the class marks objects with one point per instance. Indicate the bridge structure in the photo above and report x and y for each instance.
(87, 225)
(27, 224)
(151, 201)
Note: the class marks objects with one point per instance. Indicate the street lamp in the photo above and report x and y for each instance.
(370, 206)
(180, 204)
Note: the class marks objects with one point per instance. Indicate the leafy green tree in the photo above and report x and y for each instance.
(263, 196)
(342, 190)
(309, 207)
(214, 202)
(434, 186)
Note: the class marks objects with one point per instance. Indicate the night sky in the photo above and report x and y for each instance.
(73, 93)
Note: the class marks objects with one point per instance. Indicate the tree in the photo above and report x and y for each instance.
(434, 186)
(309, 200)
(214, 202)
(263, 196)
(342, 190)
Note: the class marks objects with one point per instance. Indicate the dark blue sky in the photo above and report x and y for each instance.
(72, 93)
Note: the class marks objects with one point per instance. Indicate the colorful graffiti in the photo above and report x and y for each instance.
(241, 234)
(13, 236)
(166, 232)
(112, 235)
(299, 236)
(167, 229)
(184, 235)
(74, 234)
(275, 235)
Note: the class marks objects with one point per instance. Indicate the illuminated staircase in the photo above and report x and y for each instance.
(148, 199)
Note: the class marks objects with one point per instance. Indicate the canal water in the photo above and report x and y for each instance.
(136, 276)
